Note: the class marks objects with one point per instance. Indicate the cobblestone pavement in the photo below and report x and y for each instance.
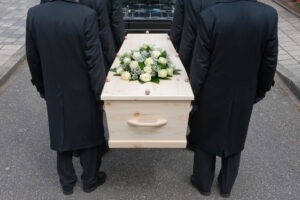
(12, 30)
(289, 42)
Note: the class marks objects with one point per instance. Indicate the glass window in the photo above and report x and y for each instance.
(148, 9)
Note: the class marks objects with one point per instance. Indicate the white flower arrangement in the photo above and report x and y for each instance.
(146, 64)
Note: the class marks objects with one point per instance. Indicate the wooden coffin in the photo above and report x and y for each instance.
(147, 115)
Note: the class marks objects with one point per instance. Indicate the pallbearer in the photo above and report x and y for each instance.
(183, 30)
(233, 67)
(66, 64)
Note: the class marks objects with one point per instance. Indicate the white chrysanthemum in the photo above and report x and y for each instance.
(170, 71)
(126, 60)
(145, 77)
(162, 73)
(148, 69)
(126, 76)
(119, 70)
(156, 53)
(162, 60)
(133, 65)
(136, 55)
(149, 62)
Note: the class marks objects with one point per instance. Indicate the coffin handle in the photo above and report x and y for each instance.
(147, 121)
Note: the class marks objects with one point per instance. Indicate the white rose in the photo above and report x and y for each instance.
(156, 53)
(126, 76)
(126, 60)
(128, 53)
(162, 73)
(133, 65)
(136, 55)
(119, 70)
(170, 71)
(148, 69)
(149, 62)
(162, 60)
(145, 77)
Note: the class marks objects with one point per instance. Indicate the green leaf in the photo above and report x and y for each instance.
(164, 54)
(117, 74)
(164, 78)
(142, 65)
(177, 72)
(113, 70)
(155, 80)
(142, 82)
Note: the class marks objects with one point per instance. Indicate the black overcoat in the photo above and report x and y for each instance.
(183, 29)
(105, 31)
(234, 62)
(106, 35)
(66, 64)
(115, 13)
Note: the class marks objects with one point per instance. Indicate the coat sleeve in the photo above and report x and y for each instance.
(94, 56)
(269, 61)
(117, 23)
(201, 57)
(177, 24)
(105, 34)
(33, 59)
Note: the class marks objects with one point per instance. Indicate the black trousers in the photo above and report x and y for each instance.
(204, 171)
(90, 160)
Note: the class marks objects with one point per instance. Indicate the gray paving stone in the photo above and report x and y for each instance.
(289, 62)
(284, 57)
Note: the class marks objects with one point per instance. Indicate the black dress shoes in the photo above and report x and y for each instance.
(100, 180)
(194, 183)
(225, 195)
(68, 191)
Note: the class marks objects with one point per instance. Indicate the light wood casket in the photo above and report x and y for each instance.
(147, 115)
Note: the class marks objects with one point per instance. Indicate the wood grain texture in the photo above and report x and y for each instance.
(170, 135)
(148, 115)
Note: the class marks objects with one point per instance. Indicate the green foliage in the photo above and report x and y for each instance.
(164, 54)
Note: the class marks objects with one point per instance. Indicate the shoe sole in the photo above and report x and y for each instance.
(95, 187)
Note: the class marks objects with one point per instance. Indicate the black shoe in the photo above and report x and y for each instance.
(225, 195)
(194, 183)
(100, 180)
(68, 191)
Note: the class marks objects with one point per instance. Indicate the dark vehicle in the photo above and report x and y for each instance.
(153, 15)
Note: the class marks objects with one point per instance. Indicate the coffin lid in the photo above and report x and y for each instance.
(176, 89)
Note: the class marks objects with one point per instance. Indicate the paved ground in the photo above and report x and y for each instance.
(12, 34)
(270, 167)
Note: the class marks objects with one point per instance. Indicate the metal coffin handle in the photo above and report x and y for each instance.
(147, 121)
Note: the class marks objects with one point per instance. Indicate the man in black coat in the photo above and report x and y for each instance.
(233, 67)
(115, 13)
(66, 63)
(111, 26)
(183, 29)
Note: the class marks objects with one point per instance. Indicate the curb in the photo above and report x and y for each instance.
(289, 79)
(286, 7)
(12, 64)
